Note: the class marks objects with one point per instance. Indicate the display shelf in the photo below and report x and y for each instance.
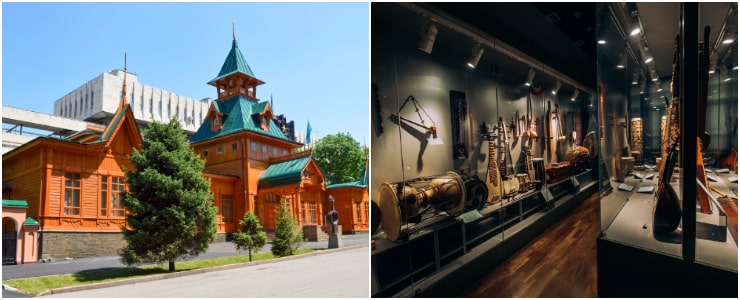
(444, 246)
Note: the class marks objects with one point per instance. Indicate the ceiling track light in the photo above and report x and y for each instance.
(428, 35)
(648, 60)
(642, 86)
(635, 31)
(658, 87)
(725, 73)
(635, 77)
(575, 95)
(622, 61)
(530, 77)
(476, 54)
(557, 87)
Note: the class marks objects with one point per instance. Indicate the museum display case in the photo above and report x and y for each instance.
(477, 147)
(667, 113)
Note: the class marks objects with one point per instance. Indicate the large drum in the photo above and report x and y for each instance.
(525, 183)
(402, 201)
(476, 194)
(375, 217)
(539, 172)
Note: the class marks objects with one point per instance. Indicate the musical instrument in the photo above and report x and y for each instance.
(670, 131)
(458, 107)
(561, 135)
(493, 178)
(531, 131)
(558, 171)
(616, 157)
(549, 139)
(530, 166)
(401, 202)
(636, 134)
(667, 212)
(539, 171)
(729, 206)
(375, 217)
(578, 158)
(590, 143)
(525, 183)
(702, 140)
(476, 192)
(508, 179)
(628, 164)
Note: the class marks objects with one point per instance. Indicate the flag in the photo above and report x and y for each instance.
(308, 133)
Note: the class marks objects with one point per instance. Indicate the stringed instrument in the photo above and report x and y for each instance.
(549, 139)
(561, 135)
(531, 131)
(671, 124)
(508, 176)
(493, 178)
(667, 214)
(702, 140)
(530, 166)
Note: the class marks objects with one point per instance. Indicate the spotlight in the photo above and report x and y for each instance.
(622, 61)
(601, 42)
(653, 75)
(635, 32)
(642, 86)
(649, 59)
(728, 41)
(725, 72)
(557, 87)
(477, 52)
(530, 77)
(635, 77)
(428, 35)
(575, 95)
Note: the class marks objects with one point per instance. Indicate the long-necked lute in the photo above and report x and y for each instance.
(667, 213)
(493, 178)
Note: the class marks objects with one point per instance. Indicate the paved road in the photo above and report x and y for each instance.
(113, 262)
(344, 274)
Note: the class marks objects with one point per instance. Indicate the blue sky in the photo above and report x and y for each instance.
(314, 57)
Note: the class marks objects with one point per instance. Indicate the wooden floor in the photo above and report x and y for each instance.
(560, 262)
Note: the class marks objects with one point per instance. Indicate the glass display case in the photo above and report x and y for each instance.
(667, 75)
(476, 148)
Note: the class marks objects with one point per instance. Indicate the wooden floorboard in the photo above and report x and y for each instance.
(560, 262)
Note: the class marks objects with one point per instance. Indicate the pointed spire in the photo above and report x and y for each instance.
(123, 95)
(271, 106)
(233, 31)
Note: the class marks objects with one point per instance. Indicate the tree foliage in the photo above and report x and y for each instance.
(340, 158)
(288, 236)
(250, 235)
(169, 203)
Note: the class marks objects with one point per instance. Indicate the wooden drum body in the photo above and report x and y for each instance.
(402, 201)
(539, 172)
(476, 194)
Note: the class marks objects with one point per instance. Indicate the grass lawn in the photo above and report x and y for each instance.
(36, 285)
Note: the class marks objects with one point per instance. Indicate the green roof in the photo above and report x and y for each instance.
(31, 222)
(284, 173)
(234, 63)
(15, 203)
(362, 183)
(241, 114)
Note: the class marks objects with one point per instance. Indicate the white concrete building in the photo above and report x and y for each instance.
(97, 100)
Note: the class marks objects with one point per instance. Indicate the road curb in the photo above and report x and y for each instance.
(190, 272)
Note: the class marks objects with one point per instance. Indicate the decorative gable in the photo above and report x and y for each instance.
(216, 118)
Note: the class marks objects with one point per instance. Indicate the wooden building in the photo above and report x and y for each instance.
(71, 184)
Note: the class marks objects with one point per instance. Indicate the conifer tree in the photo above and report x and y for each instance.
(169, 203)
(288, 236)
(250, 235)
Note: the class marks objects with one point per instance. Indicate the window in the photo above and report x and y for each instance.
(103, 196)
(271, 198)
(72, 194)
(285, 152)
(358, 213)
(205, 152)
(264, 148)
(220, 150)
(254, 146)
(151, 104)
(366, 211)
(234, 147)
(226, 208)
(312, 213)
(274, 151)
(215, 120)
(118, 185)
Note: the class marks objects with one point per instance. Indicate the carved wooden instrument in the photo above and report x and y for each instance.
(530, 165)
(670, 129)
(561, 135)
(508, 176)
(531, 127)
(549, 140)
(702, 141)
(617, 157)
(493, 178)
(667, 213)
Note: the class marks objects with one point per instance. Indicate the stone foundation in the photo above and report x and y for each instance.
(61, 245)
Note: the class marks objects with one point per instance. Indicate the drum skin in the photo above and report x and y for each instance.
(477, 193)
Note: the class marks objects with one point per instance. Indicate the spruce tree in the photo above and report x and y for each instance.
(250, 235)
(288, 236)
(169, 203)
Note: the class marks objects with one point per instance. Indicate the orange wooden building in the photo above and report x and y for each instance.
(71, 184)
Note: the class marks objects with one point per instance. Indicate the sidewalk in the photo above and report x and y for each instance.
(113, 262)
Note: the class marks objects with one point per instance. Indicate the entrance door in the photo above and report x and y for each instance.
(10, 242)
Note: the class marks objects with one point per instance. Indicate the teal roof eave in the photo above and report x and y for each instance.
(31, 222)
(283, 173)
(356, 184)
(15, 203)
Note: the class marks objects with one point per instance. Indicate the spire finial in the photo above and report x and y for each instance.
(233, 30)
(123, 96)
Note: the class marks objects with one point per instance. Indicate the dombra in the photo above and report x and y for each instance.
(401, 202)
